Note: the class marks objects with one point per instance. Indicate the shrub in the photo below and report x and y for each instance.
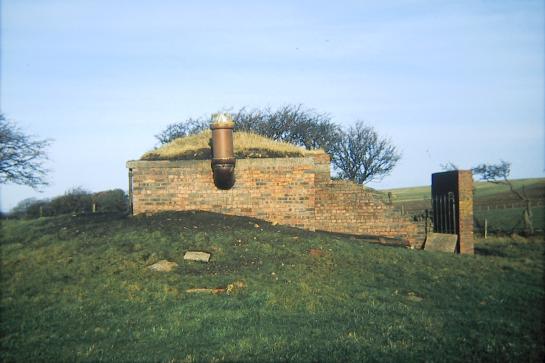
(75, 200)
(109, 201)
(41, 208)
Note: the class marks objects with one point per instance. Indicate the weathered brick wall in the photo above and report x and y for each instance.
(290, 191)
(465, 208)
(347, 207)
(276, 190)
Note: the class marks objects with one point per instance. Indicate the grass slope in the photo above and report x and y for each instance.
(507, 220)
(77, 289)
(246, 145)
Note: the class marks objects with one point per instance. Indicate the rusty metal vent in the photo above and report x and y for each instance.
(223, 157)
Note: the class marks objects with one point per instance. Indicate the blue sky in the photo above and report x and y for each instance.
(459, 81)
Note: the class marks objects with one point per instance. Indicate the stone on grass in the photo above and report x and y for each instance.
(216, 290)
(163, 266)
(441, 242)
(197, 256)
(414, 297)
(230, 289)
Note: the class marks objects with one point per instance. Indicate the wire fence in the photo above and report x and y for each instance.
(491, 218)
(506, 205)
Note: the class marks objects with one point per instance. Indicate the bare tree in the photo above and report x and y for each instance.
(190, 126)
(359, 154)
(362, 156)
(499, 174)
(21, 157)
(291, 123)
(450, 166)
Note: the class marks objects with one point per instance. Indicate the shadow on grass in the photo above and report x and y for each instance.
(487, 251)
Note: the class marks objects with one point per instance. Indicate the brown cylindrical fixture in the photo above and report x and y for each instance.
(223, 157)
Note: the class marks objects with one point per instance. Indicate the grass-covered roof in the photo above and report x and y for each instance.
(246, 145)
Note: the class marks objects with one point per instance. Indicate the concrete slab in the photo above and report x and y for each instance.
(197, 256)
(441, 242)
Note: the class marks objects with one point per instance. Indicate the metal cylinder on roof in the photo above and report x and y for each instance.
(223, 157)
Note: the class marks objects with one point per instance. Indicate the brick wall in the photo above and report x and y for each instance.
(465, 208)
(291, 191)
(347, 207)
(276, 190)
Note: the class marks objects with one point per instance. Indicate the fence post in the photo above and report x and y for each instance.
(485, 228)
(426, 222)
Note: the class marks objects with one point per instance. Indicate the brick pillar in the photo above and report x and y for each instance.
(460, 184)
(465, 214)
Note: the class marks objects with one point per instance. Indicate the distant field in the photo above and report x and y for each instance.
(484, 192)
(496, 203)
(503, 220)
(77, 289)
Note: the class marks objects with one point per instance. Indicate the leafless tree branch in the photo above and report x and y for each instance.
(22, 158)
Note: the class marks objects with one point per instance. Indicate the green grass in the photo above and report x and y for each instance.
(494, 202)
(505, 220)
(77, 289)
(484, 191)
(535, 188)
(404, 195)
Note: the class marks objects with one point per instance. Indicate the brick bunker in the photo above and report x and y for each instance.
(293, 191)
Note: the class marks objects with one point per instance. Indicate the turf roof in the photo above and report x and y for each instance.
(247, 145)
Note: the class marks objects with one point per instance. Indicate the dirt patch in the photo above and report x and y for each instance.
(316, 252)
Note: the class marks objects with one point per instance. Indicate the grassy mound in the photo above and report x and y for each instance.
(247, 145)
(78, 289)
